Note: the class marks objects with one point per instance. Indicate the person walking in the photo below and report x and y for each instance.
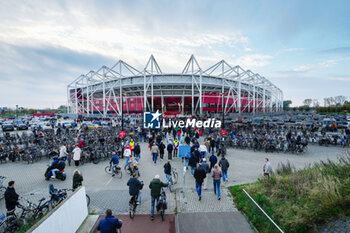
(161, 149)
(216, 174)
(76, 155)
(213, 160)
(205, 167)
(155, 152)
(170, 150)
(167, 171)
(212, 144)
(224, 164)
(193, 163)
(199, 175)
(137, 152)
(77, 179)
(109, 224)
(203, 151)
(155, 187)
(176, 147)
(267, 169)
(127, 154)
(11, 198)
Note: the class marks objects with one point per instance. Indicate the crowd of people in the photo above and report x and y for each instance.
(205, 162)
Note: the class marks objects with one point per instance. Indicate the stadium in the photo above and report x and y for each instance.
(195, 91)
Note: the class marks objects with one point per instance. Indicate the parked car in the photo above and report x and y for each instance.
(7, 127)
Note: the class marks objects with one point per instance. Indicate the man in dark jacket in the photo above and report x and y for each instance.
(109, 224)
(137, 151)
(135, 187)
(161, 149)
(187, 139)
(199, 175)
(212, 144)
(224, 164)
(193, 163)
(206, 168)
(213, 160)
(170, 148)
(156, 187)
(167, 171)
(11, 198)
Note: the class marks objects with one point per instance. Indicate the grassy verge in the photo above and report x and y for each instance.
(298, 201)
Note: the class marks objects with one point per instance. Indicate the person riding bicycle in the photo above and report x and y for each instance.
(114, 162)
(109, 224)
(135, 187)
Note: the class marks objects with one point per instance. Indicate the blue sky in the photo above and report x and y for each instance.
(303, 47)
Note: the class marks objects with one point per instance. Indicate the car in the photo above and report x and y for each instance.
(19, 125)
(298, 122)
(280, 122)
(245, 121)
(90, 125)
(7, 127)
(257, 121)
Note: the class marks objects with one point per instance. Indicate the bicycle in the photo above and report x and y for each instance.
(117, 170)
(173, 179)
(132, 206)
(162, 204)
(39, 210)
(2, 187)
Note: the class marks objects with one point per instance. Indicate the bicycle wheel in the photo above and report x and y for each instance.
(41, 212)
(162, 214)
(119, 173)
(96, 160)
(175, 177)
(131, 212)
(87, 200)
(171, 187)
(108, 169)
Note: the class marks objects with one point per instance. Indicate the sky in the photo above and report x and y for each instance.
(303, 47)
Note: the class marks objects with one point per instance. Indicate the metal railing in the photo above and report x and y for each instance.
(263, 211)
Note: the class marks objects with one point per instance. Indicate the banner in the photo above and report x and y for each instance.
(184, 151)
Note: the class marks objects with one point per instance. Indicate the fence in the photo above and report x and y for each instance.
(260, 215)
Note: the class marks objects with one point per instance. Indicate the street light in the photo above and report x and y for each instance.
(122, 100)
(16, 111)
(223, 111)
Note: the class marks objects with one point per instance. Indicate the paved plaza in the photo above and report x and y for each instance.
(107, 192)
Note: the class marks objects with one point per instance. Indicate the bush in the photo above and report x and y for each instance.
(298, 201)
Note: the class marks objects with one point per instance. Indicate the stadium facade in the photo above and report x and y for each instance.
(194, 91)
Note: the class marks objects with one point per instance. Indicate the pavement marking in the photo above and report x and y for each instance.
(109, 181)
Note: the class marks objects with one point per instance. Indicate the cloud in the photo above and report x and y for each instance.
(288, 50)
(254, 60)
(337, 50)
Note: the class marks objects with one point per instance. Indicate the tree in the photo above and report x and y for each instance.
(316, 104)
(286, 104)
(339, 100)
(307, 102)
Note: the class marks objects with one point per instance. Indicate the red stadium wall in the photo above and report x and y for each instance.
(210, 103)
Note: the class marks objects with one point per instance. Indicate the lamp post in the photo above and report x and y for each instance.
(223, 110)
(16, 111)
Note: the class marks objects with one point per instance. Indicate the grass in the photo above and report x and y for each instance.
(298, 201)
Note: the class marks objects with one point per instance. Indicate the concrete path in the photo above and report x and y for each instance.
(220, 222)
(143, 223)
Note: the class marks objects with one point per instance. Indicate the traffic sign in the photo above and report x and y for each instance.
(223, 132)
(122, 134)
